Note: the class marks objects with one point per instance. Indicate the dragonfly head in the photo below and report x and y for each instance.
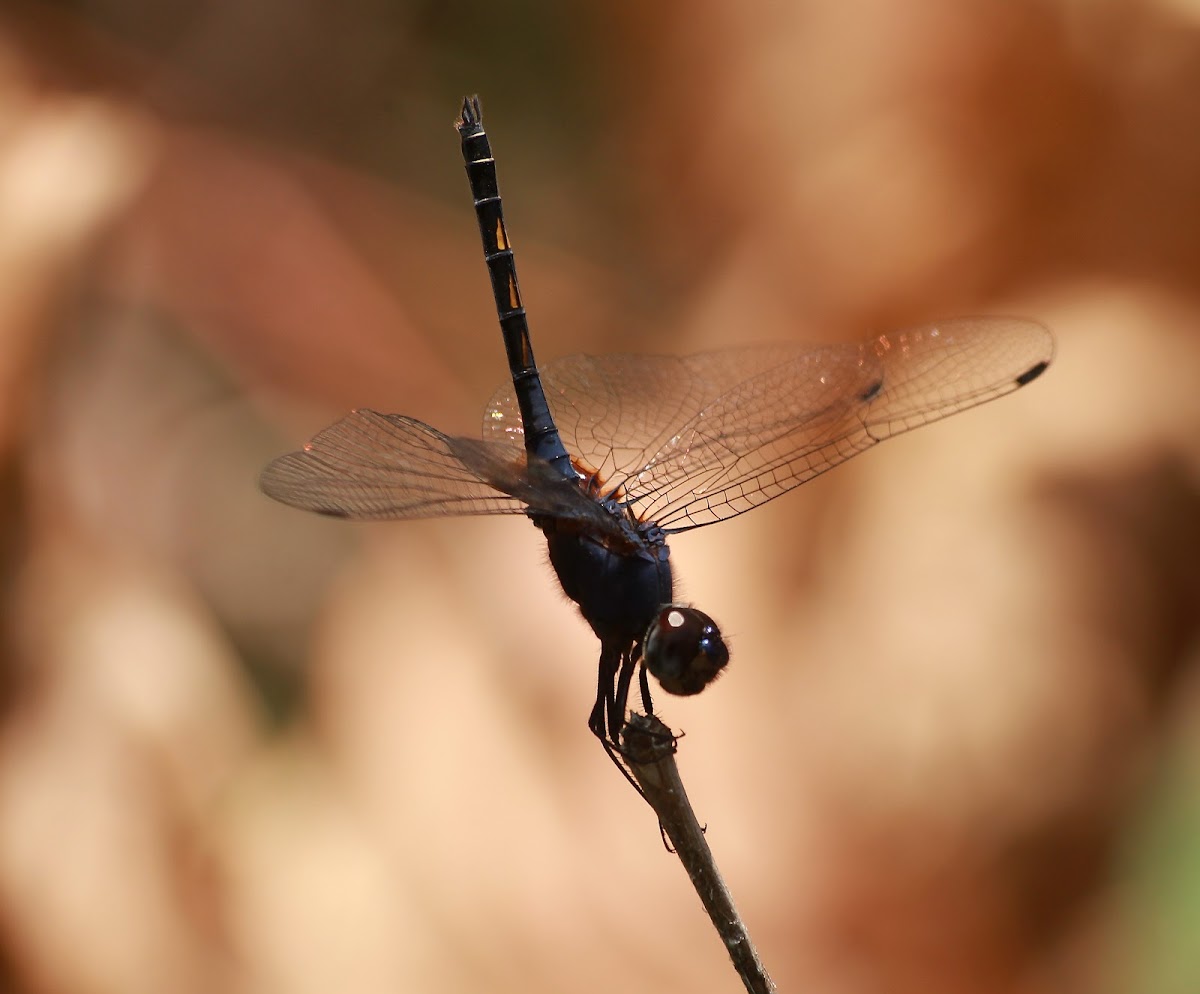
(684, 650)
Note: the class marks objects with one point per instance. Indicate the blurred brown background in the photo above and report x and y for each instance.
(246, 749)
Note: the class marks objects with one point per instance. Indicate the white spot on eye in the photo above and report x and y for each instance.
(675, 619)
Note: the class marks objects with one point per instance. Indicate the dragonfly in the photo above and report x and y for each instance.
(611, 456)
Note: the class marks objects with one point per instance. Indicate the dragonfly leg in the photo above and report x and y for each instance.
(608, 713)
(644, 686)
(644, 689)
(619, 704)
(600, 718)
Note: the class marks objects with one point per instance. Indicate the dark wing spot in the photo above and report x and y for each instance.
(871, 392)
(331, 512)
(1031, 374)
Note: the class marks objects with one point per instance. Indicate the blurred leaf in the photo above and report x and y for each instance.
(1162, 899)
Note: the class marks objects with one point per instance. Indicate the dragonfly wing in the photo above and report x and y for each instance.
(375, 466)
(790, 423)
(615, 412)
(762, 438)
(372, 466)
(539, 485)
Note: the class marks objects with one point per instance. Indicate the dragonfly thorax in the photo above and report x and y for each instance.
(619, 587)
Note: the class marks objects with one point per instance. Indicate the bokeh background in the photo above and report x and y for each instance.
(245, 749)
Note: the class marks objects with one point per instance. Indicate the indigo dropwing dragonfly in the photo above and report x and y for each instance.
(610, 456)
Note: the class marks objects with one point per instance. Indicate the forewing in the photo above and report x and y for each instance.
(768, 434)
(376, 466)
(614, 412)
(783, 426)
(940, 369)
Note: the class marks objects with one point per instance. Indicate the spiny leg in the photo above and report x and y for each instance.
(644, 686)
(606, 674)
(619, 702)
(601, 721)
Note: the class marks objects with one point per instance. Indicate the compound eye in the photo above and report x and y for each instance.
(684, 650)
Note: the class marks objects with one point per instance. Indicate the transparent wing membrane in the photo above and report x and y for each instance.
(374, 466)
(702, 438)
(688, 440)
